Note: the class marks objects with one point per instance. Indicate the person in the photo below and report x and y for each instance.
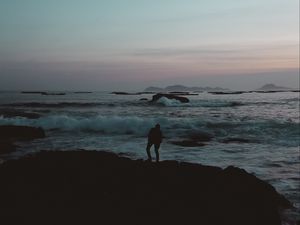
(154, 138)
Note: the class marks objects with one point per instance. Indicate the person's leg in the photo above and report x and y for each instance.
(148, 151)
(156, 152)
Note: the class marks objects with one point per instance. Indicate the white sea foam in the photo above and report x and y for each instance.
(171, 102)
(264, 130)
(105, 124)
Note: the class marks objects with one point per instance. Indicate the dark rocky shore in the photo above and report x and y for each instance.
(10, 134)
(100, 187)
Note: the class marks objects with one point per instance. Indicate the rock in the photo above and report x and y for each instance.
(227, 93)
(52, 93)
(33, 92)
(268, 91)
(188, 143)
(169, 96)
(118, 190)
(6, 147)
(146, 92)
(238, 140)
(43, 93)
(200, 136)
(194, 139)
(124, 93)
(10, 132)
(10, 113)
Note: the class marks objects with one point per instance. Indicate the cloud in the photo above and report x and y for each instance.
(215, 50)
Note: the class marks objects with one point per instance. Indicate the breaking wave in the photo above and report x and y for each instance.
(109, 125)
(200, 103)
(165, 102)
(269, 130)
(57, 105)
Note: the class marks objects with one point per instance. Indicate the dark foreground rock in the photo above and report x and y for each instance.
(6, 147)
(85, 187)
(9, 134)
(169, 96)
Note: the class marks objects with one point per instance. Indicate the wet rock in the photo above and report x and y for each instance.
(10, 113)
(124, 93)
(200, 136)
(169, 96)
(227, 93)
(43, 93)
(33, 92)
(6, 147)
(236, 140)
(10, 132)
(194, 139)
(188, 143)
(53, 93)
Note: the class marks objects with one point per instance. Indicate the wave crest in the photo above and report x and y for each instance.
(104, 124)
(268, 131)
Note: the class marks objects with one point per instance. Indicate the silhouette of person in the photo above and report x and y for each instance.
(154, 138)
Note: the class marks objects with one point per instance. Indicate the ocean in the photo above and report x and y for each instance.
(258, 132)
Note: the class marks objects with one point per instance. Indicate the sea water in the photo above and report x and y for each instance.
(266, 123)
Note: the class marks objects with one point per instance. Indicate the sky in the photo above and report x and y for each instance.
(132, 44)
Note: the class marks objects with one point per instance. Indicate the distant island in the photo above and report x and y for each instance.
(185, 90)
(273, 87)
(181, 88)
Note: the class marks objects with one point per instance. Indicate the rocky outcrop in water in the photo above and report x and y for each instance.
(188, 143)
(116, 190)
(227, 93)
(195, 139)
(43, 93)
(169, 96)
(10, 113)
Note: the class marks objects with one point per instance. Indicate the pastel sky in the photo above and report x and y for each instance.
(132, 44)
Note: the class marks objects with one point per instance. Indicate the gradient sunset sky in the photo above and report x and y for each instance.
(132, 44)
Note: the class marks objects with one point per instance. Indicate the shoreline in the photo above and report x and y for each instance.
(122, 190)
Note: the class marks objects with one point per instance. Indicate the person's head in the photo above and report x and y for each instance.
(157, 126)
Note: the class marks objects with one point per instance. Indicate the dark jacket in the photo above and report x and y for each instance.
(155, 136)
